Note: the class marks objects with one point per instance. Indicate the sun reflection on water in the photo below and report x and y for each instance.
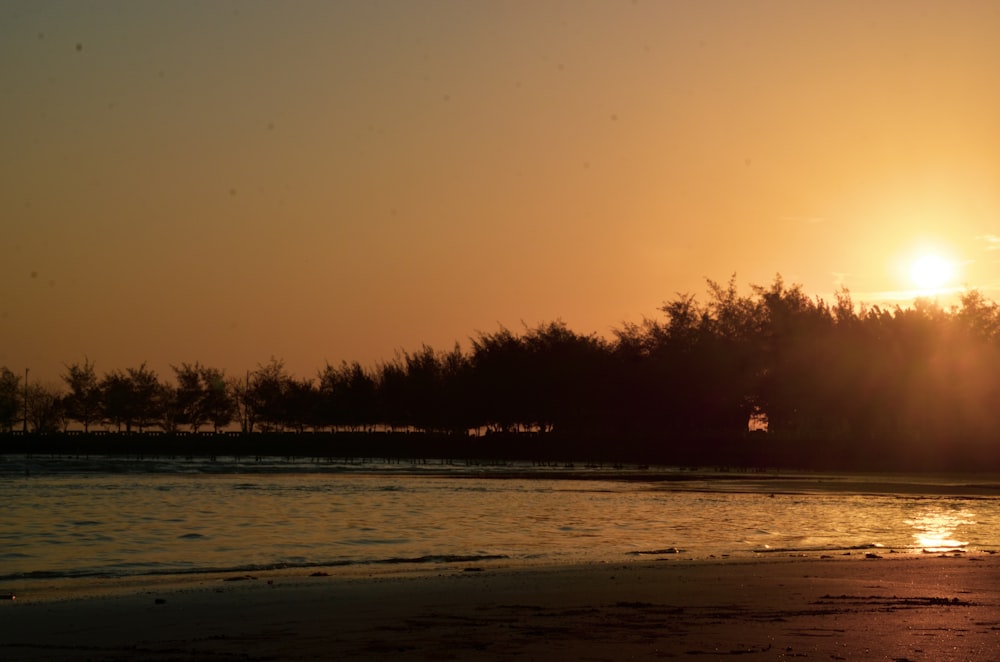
(936, 529)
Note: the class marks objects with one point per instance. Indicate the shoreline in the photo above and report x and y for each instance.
(669, 477)
(911, 607)
(734, 449)
(62, 588)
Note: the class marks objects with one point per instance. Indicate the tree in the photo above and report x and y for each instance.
(11, 394)
(423, 391)
(347, 396)
(203, 396)
(500, 369)
(978, 317)
(728, 348)
(795, 338)
(45, 408)
(390, 395)
(302, 406)
(167, 405)
(218, 404)
(267, 395)
(567, 380)
(189, 396)
(459, 415)
(242, 402)
(83, 402)
(147, 396)
(699, 369)
(117, 400)
(134, 397)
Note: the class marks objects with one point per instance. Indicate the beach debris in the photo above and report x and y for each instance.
(472, 569)
(872, 555)
(893, 601)
(667, 550)
(240, 578)
(319, 573)
(160, 601)
(8, 596)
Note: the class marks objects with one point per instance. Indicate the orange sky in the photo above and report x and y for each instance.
(320, 181)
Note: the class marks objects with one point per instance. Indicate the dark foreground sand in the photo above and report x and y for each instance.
(844, 608)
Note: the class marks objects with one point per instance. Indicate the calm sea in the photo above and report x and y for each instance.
(115, 517)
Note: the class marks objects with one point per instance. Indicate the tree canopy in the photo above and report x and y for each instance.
(845, 380)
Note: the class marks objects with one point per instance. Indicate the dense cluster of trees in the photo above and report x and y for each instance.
(900, 379)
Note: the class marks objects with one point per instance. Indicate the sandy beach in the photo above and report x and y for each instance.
(852, 607)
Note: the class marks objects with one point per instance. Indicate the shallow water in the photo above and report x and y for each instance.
(101, 517)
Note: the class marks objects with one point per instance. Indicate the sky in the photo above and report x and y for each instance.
(226, 181)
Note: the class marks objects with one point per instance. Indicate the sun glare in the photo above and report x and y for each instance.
(931, 272)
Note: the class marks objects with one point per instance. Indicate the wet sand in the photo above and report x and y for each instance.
(897, 607)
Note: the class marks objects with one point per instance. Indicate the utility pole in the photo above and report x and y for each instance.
(25, 401)
(246, 406)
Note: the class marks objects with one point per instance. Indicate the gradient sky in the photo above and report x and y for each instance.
(319, 181)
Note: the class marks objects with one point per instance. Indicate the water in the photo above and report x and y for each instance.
(105, 517)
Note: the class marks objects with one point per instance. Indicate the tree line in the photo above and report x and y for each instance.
(917, 381)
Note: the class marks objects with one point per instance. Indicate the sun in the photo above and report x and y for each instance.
(931, 272)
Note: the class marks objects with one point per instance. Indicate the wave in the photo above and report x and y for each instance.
(119, 571)
(825, 548)
(912, 486)
(906, 486)
(34, 465)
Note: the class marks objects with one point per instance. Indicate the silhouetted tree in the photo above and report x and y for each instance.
(202, 396)
(189, 396)
(427, 390)
(422, 395)
(795, 388)
(83, 402)
(978, 318)
(169, 408)
(267, 395)
(500, 372)
(390, 395)
(133, 397)
(146, 392)
(117, 400)
(239, 388)
(729, 352)
(347, 396)
(11, 394)
(218, 403)
(302, 406)
(45, 408)
(838, 385)
(699, 370)
(459, 413)
(566, 381)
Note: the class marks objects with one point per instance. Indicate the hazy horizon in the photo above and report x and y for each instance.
(328, 181)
